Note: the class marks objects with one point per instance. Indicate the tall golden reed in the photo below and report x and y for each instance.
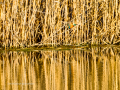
(25, 23)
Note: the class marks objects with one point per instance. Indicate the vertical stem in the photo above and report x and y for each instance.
(29, 21)
(3, 16)
(95, 19)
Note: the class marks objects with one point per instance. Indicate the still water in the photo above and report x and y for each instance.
(96, 68)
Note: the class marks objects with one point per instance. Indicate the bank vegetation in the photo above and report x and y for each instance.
(26, 23)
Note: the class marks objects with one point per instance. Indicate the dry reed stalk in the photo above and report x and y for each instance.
(26, 23)
(3, 19)
(82, 5)
(57, 11)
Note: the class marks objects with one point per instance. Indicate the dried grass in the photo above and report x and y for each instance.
(25, 23)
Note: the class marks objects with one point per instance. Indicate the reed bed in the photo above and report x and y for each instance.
(94, 69)
(26, 23)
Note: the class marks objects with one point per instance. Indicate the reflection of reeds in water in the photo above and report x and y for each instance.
(94, 69)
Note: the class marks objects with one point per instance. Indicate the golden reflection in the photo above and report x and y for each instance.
(92, 69)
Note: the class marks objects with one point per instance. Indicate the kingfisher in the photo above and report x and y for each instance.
(71, 25)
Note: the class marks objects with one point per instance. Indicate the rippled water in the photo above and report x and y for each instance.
(96, 68)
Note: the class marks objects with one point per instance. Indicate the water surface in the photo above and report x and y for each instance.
(96, 68)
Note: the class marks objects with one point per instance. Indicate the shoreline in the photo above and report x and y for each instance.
(61, 47)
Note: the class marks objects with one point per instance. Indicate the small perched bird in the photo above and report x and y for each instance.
(71, 25)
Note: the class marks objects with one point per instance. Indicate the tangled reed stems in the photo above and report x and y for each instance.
(25, 23)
